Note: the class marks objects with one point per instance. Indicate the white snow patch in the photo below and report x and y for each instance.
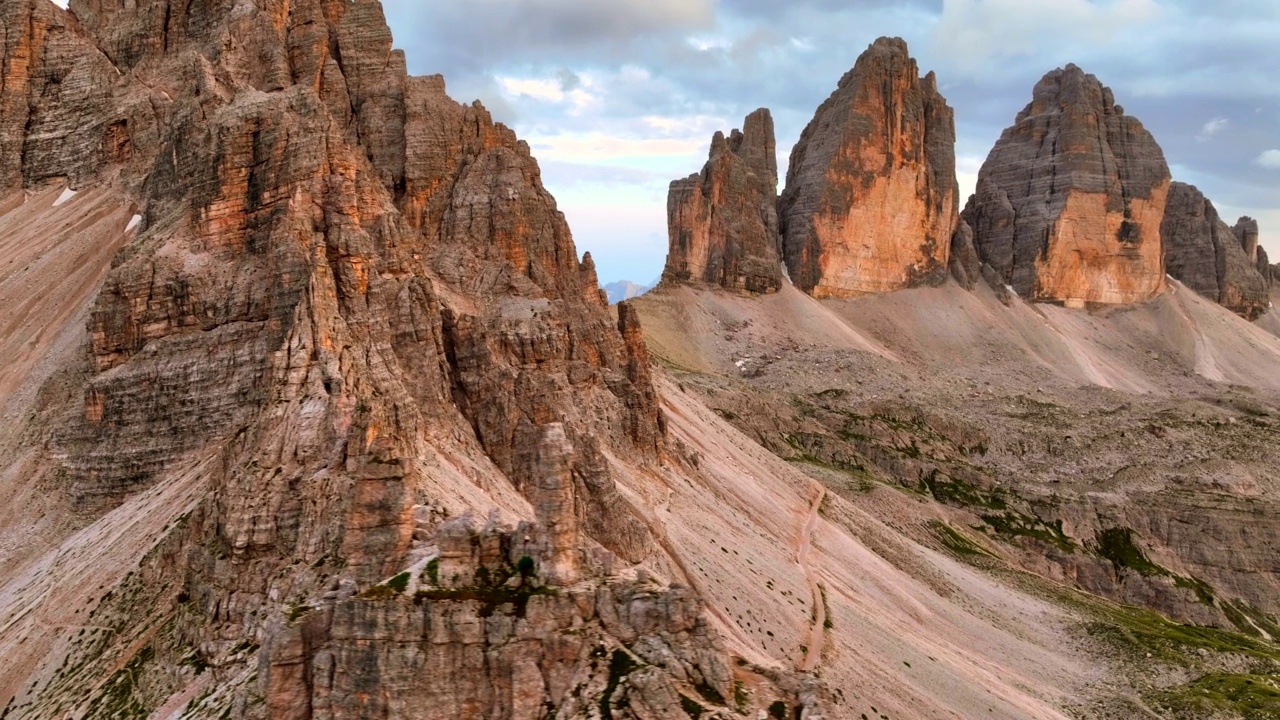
(134, 222)
(65, 196)
(1011, 290)
(740, 363)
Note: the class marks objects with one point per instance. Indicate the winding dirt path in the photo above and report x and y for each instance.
(813, 648)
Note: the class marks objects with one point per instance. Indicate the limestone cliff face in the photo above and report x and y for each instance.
(351, 311)
(871, 198)
(57, 114)
(965, 265)
(1070, 201)
(1246, 231)
(1211, 257)
(723, 222)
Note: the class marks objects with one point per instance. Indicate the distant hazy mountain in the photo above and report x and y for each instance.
(625, 290)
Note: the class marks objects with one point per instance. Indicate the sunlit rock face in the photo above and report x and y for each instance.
(1070, 201)
(871, 199)
(723, 221)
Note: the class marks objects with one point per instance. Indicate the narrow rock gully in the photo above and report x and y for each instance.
(813, 648)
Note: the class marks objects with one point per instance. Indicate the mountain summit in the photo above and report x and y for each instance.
(871, 199)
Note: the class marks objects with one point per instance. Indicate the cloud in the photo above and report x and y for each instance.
(973, 36)
(599, 146)
(1211, 128)
(1269, 159)
(619, 97)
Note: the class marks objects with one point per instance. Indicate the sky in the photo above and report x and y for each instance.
(619, 97)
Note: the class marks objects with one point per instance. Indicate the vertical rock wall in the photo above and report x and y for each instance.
(871, 199)
(1070, 201)
(723, 222)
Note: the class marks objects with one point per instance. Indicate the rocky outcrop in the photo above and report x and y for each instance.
(723, 222)
(1208, 256)
(1070, 201)
(62, 113)
(490, 635)
(350, 302)
(871, 198)
(965, 265)
(1246, 231)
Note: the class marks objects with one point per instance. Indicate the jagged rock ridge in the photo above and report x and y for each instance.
(1207, 255)
(871, 199)
(723, 222)
(351, 312)
(1069, 203)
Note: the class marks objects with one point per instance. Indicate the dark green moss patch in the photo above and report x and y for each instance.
(379, 592)
(489, 597)
(778, 710)
(1249, 620)
(1016, 524)
(956, 542)
(621, 664)
(1116, 544)
(399, 583)
(1256, 697)
(1202, 589)
(951, 491)
(691, 707)
(116, 698)
(709, 693)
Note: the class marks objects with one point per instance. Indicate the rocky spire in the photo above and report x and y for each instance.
(1206, 255)
(1070, 201)
(871, 197)
(552, 496)
(324, 243)
(1246, 232)
(723, 222)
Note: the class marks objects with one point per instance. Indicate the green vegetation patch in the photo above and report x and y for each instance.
(954, 541)
(296, 612)
(952, 491)
(1116, 544)
(1250, 620)
(1143, 631)
(709, 693)
(489, 597)
(1202, 589)
(1256, 697)
(1015, 524)
(117, 699)
(621, 664)
(399, 583)
(691, 707)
